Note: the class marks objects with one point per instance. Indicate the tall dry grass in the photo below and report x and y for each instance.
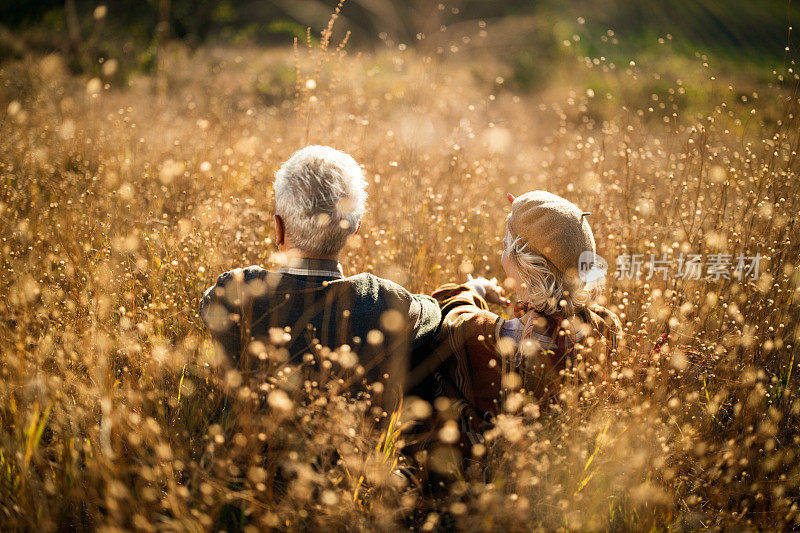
(118, 207)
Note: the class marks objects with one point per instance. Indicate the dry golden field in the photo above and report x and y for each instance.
(122, 200)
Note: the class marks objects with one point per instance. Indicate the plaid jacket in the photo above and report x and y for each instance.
(477, 348)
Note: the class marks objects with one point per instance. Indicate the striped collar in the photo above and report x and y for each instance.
(304, 266)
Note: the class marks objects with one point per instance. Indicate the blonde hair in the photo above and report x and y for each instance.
(548, 291)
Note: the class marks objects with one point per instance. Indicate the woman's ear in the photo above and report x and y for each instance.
(280, 231)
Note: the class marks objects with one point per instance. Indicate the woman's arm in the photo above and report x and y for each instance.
(468, 338)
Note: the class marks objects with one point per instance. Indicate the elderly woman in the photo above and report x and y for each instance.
(549, 253)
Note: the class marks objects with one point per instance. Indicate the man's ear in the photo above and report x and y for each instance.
(280, 231)
(358, 226)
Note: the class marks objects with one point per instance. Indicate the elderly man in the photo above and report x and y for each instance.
(307, 307)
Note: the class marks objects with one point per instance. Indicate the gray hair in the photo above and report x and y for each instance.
(320, 193)
(547, 289)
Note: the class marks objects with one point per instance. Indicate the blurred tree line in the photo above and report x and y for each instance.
(131, 31)
(65, 24)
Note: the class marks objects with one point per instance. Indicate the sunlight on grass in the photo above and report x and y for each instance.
(117, 210)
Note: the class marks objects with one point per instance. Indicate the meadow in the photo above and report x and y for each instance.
(123, 197)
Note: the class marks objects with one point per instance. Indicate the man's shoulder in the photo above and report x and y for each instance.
(242, 274)
(368, 278)
(382, 292)
(368, 283)
(246, 275)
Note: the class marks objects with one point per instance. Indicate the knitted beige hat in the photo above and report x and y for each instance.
(553, 227)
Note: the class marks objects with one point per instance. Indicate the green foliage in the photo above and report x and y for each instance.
(287, 27)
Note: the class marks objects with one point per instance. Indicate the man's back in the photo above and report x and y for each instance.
(310, 309)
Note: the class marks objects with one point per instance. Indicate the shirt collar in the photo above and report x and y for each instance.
(305, 266)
